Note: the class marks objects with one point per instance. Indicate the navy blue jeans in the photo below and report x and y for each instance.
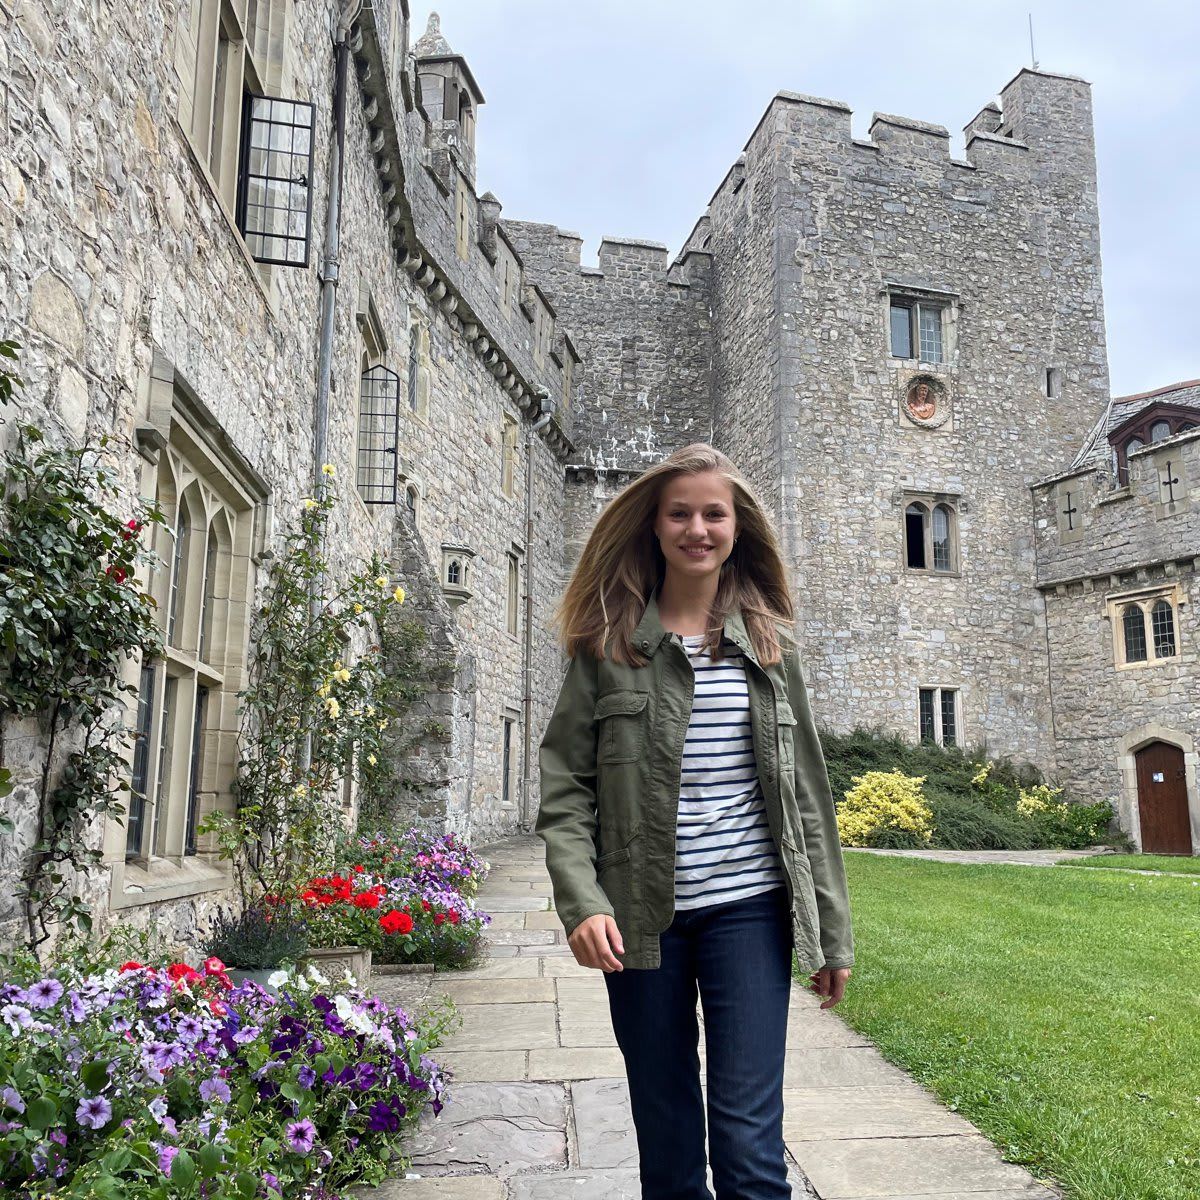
(739, 956)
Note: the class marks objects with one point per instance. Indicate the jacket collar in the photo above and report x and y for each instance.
(648, 635)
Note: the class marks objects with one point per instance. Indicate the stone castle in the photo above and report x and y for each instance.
(903, 350)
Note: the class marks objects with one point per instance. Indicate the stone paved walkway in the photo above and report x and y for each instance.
(540, 1109)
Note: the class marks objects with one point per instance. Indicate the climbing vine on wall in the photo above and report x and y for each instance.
(71, 615)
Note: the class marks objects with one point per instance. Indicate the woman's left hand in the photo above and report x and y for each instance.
(831, 983)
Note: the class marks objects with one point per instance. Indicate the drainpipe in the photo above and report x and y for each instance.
(328, 275)
(542, 421)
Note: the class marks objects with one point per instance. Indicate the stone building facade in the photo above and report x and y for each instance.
(895, 345)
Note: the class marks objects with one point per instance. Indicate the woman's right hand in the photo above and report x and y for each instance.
(595, 942)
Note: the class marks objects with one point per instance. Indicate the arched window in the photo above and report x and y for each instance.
(1133, 626)
(1162, 623)
(1160, 430)
(454, 572)
(916, 516)
(929, 536)
(941, 538)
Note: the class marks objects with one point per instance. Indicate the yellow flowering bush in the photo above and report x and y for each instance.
(885, 808)
(1040, 799)
(980, 777)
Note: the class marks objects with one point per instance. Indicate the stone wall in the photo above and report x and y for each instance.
(120, 255)
(853, 218)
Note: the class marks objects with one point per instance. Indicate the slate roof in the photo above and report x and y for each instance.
(1096, 450)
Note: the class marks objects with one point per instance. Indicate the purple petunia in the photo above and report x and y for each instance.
(214, 1089)
(46, 993)
(306, 1076)
(94, 1112)
(11, 1098)
(166, 1156)
(300, 1135)
(16, 1017)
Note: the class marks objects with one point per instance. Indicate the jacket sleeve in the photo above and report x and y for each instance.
(821, 840)
(566, 819)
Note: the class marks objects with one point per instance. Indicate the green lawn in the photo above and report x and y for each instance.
(1140, 862)
(1057, 1010)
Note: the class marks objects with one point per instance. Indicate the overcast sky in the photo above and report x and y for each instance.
(614, 117)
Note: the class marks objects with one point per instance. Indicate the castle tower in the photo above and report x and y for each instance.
(450, 97)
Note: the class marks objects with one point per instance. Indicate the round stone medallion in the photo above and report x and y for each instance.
(925, 401)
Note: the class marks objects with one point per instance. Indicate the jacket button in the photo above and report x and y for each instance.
(645, 645)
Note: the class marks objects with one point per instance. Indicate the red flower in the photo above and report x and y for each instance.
(117, 574)
(214, 966)
(309, 897)
(358, 868)
(180, 970)
(366, 900)
(454, 918)
(439, 918)
(396, 922)
(130, 966)
(425, 905)
(131, 530)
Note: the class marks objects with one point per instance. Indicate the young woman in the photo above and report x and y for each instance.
(687, 817)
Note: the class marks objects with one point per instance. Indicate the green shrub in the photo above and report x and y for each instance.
(976, 802)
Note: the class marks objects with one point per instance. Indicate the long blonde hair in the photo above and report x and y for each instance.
(622, 564)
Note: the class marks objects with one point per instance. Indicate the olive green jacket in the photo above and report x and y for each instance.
(610, 780)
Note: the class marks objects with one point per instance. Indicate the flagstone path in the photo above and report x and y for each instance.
(539, 1108)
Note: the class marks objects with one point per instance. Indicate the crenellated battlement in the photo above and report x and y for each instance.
(632, 256)
(1042, 117)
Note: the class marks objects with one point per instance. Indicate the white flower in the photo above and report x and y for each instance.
(315, 975)
(277, 978)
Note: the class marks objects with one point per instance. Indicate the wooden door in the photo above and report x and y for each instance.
(1162, 800)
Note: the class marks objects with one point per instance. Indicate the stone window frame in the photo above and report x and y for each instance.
(1144, 600)
(218, 57)
(462, 220)
(373, 352)
(457, 572)
(512, 596)
(947, 304)
(931, 502)
(509, 440)
(418, 370)
(185, 744)
(508, 276)
(938, 703)
(510, 725)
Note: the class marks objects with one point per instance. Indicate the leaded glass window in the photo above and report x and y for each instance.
(1133, 625)
(1162, 624)
(926, 715)
(930, 323)
(1160, 430)
(949, 726)
(941, 538)
(140, 774)
(275, 200)
(378, 434)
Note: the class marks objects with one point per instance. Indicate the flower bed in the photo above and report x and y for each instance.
(154, 1083)
(409, 899)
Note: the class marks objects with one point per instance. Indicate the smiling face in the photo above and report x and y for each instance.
(695, 523)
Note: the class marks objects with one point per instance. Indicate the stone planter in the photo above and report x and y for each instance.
(259, 976)
(334, 961)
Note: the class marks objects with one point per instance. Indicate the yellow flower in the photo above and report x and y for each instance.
(372, 759)
(323, 690)
(381, 581)
(357, 609)
(328, 469)
(337, 665)
(383, 724)
(370, 710)
(333, 708)
(299, 790)
(342, 676)
(398, 595)
(309, 504)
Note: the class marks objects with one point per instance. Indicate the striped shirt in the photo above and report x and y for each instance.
(723, 845)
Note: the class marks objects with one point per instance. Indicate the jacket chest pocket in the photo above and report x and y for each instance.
(621, 726)
(785, 719)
